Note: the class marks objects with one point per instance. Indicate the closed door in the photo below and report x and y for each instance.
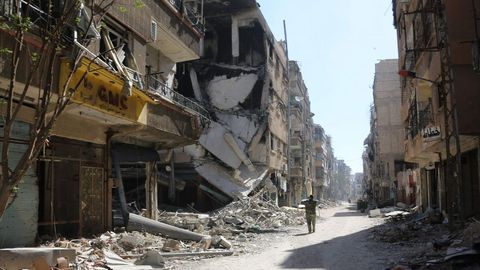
(91, 200)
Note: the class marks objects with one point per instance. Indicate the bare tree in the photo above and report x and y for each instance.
(40, 32)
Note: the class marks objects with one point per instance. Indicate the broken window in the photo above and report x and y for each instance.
(254, 100)
(115, 50)
(218, 43)
(117, 41)
(252, 50)
(270, 50)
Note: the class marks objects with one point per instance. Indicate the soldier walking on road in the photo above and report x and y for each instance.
(310, 213)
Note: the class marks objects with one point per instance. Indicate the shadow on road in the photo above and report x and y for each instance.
(337, 253)
(349, 214)
(343, 252)
(300, 234)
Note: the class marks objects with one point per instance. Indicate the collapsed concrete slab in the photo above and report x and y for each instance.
(214, 141)
(226, 93)
(242, 126)
(235, 185)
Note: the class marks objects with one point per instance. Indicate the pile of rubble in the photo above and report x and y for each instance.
(231, 228)
(241, 216)
(426, 241)
(119, 250)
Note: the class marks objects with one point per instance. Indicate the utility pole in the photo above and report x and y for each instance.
(453, 168)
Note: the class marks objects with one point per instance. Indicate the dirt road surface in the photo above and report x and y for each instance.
(341, 241)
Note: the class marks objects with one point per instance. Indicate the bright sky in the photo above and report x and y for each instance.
(337, 44)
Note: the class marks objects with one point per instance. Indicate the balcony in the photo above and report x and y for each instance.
(190, 15)
(157, 115)
(295, 143)
(165, 25)
(319, 163)
(296, 171)
(160, 89)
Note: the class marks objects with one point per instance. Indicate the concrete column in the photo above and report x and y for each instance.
(235, 40)
(151, 189)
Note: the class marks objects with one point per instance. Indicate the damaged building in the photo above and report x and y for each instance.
(438, 47)
(384, 145)
(322, 179)
(242, 81)
(302, 173)
(103, 150)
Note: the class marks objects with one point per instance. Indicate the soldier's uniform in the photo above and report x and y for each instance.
(310, 214)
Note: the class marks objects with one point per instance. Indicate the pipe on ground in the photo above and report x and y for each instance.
(139, 223)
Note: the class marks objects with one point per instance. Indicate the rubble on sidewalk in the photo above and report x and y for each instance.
(248, 215)
(426, 242)
(225, 231)
(130, 250)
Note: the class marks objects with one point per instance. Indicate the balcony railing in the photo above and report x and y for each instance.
(425, 115)
(419, 118)
(163, 90)
(194, 18)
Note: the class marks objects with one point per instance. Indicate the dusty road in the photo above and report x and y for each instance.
(341, 241)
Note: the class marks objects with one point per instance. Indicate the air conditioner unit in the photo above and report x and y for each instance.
(153, 30)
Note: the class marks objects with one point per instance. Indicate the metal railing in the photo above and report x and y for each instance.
(135, 76)
(425, 115)
(193, 18)
(163, 90)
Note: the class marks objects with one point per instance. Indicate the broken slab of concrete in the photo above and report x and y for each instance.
(115, 262)
(226, 93)
(213, 139)
(375, 213)
(25, 258)
(235, 186)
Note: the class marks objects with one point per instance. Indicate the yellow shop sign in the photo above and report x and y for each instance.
(98, 88)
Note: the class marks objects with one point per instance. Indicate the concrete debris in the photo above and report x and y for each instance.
(127, 250)
(221, 242)
(171, 245)
(27, 258)
(226, 231)
(375, 213)
(226, 93)
(151, 257)
(425, 243)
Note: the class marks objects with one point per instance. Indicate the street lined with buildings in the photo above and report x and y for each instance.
(183, 128)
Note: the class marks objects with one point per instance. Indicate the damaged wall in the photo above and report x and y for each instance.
(242, 82)
(227, 93)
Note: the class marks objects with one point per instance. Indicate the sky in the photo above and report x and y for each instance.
(337, 44)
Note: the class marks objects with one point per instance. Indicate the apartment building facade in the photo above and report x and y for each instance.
(122, 110)
(438, 57)
(322, 178)
(302, 171)
(385, 149)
